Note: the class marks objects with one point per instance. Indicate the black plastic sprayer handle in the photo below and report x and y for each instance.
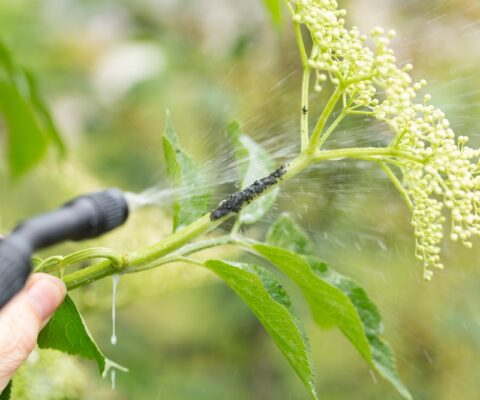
(85, 217)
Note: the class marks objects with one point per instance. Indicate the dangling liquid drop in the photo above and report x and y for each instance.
(115, 280)
(113, 376)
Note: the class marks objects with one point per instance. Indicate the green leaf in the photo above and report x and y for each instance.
(383, 358)
(5, 395)
(6, 61)
(254, 163)
(287, 234)
(192, 198)
(27, 143)
(330, 306)
(43, 113)
(66, 331)
(30, 126)
(274, 8)
(234, 132)
(270, 303)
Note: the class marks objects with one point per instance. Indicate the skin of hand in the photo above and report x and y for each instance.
(22, 319)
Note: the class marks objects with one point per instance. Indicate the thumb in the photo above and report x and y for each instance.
(22, 319)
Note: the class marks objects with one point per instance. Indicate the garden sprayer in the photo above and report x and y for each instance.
(85, 217)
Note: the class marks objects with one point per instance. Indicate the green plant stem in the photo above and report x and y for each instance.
(361, 153)
(190, 261)
(185, 251)
(359, 79)
(358, 112)
(322, 121)
(146, 255)
(90, 274)
(175, 241)
(305, 108)
(57, 263)
(397, 184)
(332, 128)
(300, 43)
(305, 83)
(155, 255)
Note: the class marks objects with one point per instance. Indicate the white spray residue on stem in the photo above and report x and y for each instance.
(112, 367)
(113, 376)
(113, 339)
(115, 280)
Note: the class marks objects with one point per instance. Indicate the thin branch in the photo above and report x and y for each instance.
(322, 121)
(304, 121)
(397, 184)
(331, 128)
(362, 152)
(57, 263)
(300, 41)
(305, 82)
(190, 261)
(359, 79)
(357, 112)
(186, 251)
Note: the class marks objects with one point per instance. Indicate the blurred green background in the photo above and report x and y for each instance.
(109, 69)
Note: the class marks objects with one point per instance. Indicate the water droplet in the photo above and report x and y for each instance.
(115, 280)
(382, 245)
(113, 376)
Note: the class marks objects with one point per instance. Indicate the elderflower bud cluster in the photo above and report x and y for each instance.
(441, 173)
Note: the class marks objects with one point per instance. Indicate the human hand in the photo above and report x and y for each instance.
(23, 318)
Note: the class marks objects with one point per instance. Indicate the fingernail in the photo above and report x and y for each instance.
(46, 295)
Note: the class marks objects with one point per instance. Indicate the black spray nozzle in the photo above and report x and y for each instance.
(85, 217)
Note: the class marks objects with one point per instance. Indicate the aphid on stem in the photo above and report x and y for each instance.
(236, 201)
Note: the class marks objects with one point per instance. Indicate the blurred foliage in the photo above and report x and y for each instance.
(192, 201)
(275, 8)
(29, 124)
(62, 378)
(181, 333)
